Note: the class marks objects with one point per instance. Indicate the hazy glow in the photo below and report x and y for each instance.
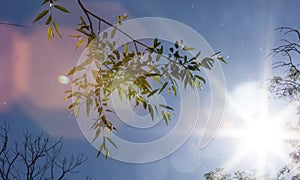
(63, 79)
(262, 137)
(260, 133)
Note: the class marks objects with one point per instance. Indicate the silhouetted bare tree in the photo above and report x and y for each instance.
(35, 158)
(286, 86)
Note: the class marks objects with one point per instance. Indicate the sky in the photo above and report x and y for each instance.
(31, 97)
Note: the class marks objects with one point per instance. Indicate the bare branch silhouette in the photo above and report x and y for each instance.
(35, 158)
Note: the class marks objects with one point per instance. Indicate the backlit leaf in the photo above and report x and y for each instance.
(100, 149)
(105, 34)
(80, 42)
(150, 109)
(50, 33)
(217, 53)
(163, 87)
(45, 1)
(185, 48)
(143, 102)
(63, 9)
(56, 29)
(111, 142)
(164, 117)
(174, 90)
(49, 20)
(97, 134)
(166, 107)
(107, 153)
(152, 92)
(41, 15)
(200, 78)
(220, 58)
(207, 62)
(126, 48)
(113, 32)
(72, 71)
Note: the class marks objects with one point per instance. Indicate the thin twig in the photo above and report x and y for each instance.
(12, 24)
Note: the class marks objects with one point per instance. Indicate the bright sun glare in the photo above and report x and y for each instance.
(261, 134)
(262, 137)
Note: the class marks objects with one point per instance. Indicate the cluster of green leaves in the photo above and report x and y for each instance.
(50, 22)
(134, 75)
(221, 174)
(135, 71)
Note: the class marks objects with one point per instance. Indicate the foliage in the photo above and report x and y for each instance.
(35, 158)
(129, 70)
(287, 86)
(221, 174)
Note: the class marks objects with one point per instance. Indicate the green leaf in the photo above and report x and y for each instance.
(163, 87)
(158, 56)
(68, 91)
(56, 29)
(166, 107)
(207, 62)
(63, 9)
(72, 71)
(152, 92)
(168, 115)
(77, 112)
(41, 15)
(186, 81)
(71, 106)
(111, 142)
(152, 74)
(155, 42)
(100, 149)
(125, 16)
(107, 153)
(113, 32)
(105, 34)
(108, 110)
(195, 57)
(45, 1)
(97, 134)
(217, 53)
(164, 117)
(68, 97)
(126, 48)
(100, 110)
(176, 45)
(88, 107)
(143, 102)
(150, 109)
(80, 42)
(116, 52)
(75, 35)
(50, 33)
(220, 58)
(198, 84)
(200, 78)
(49, 20)
(157, 79)
(174, 90)
(185, 48)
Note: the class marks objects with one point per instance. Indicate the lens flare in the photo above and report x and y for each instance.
(63, 79)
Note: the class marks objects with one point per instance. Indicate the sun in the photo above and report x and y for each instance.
(262, 137)
(260, 132)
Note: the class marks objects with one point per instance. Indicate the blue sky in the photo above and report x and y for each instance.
(32, 98)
